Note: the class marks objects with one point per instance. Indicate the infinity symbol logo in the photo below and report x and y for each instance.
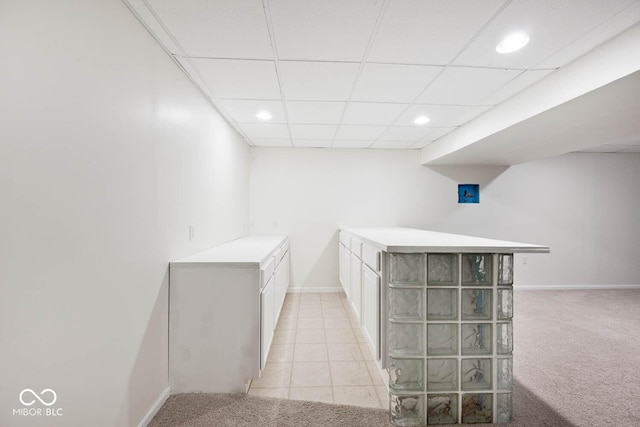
(46, 390)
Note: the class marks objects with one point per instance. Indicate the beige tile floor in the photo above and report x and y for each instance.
(319, 354)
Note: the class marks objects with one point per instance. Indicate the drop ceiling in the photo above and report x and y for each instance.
(356, 73)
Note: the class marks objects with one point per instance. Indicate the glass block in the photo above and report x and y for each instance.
(476, 304)
(406, 410)
(406, 304)
(505, 374)
(442, 339)
(505, 304)
(505, 407)
(476, 374)
(476, 338)
(442, 374)
(505, 338)
(505, 269)
(442, 409)
(476, 269)
(407, 269)
(406, 374)
(477, 408)
(442, 269)
(405, 339)
(442, 304)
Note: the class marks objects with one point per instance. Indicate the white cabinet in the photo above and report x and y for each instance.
(224, 304)
(355, 284)
(371, 257)
(268, 323)
(454, 290)
(360, 269)
(281, 278)
(371, 308)
(344, 267)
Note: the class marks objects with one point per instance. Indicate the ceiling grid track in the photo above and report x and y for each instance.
(374, 33)
(345, 75)
(449, 64)
(274, 48)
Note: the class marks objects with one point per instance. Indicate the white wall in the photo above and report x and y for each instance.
(584, 206)
(107, 155)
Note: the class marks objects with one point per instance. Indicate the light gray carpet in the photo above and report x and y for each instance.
(576, 363)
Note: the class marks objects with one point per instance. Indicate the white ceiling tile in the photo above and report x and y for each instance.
(429, 32)
(362, 113)
(393, 83)
(317, 81)
(312, 143)
(421, 144)
(550, 24)
(436, 133)
(217, 28)
(331, 30)
(350, 143)
(312, 131)
(405, 133)
(466, 86)
(469, 114)
(244, 111)
(189, 68)
(362, 133)
(327, 112)
(229, 78)
(264, 131)
(609, 29)
(524, 80)
(146, 16)
(260, 142)
(441, 115)
(399, 145)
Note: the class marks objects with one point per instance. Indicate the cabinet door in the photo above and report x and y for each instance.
(267, 319)
(282, 282)
(355, 291)
(345, 268)
(371, 309)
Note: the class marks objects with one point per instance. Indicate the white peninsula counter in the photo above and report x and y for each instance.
(436, 310)
(224, 304)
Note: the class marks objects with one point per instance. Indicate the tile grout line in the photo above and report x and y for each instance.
(293, 355)
(326, 349)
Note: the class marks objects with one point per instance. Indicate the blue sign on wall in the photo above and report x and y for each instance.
(468, 193)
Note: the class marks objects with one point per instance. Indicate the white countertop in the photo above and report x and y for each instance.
(251, 250)
(408, 240)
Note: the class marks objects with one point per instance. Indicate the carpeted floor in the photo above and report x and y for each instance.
(576, 363)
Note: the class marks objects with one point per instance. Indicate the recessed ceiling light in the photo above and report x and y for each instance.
(264, 115)
(512, 42)
(420, 120)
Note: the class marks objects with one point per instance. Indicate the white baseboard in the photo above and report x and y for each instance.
(155, 408)
(573, 287)
(304, 290)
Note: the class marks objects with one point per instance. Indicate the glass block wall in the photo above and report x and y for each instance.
(450, 338)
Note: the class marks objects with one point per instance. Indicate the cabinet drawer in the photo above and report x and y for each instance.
(266, 271)
(356, 247)
(345, 239)
(280, 255)
(371, 257)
